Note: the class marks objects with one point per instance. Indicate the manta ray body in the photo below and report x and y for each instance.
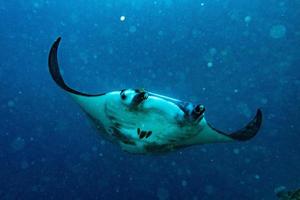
(144, 122)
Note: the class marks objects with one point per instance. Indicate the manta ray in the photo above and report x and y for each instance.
(143, 122)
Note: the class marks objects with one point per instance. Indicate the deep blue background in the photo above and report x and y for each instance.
(48, 150)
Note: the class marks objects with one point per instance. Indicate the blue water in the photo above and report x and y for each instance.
(231, 56)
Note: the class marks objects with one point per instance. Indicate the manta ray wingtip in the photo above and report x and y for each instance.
(247, 132)
(58, 39)
(55, 71)
(251, 129)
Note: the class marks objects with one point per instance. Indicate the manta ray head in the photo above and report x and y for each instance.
(126, 103)
(133, 97)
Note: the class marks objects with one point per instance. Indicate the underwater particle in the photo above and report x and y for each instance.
(235, 90)
(279, 189)
(24, 164)
(85, 157)
(236, 151)
(18, 144)
(10, 103)
(209, 189)
(247, 19)
(277, 31)
(36, 5)
(168, 3)
(160, 33)
(202, 4)
(224, 53)
(244, 109)
(183, 183)
(209, 64)
(34, 188)
(122, 18)
(212, 51)
(94, 149)
(162, 194)
(132, 29)
(256, 176)
(264, 100)
(173, 163)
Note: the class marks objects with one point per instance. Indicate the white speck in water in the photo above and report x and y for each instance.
(122, 18)
(209, 189)
(247, 160)
(247, 19)
(236, 151)
(11, 103)
(209, 64)
(183, 183)
(277, 31)
(202, 4)
(256, 176)
(236, 90)
(279, 189)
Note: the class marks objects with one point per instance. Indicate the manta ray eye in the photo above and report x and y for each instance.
(199, 109)
(123, 96)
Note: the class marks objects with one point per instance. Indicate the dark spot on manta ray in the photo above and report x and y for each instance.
(148, 134)
(138, 131)
(172, 141)
(143, 134)
(117, 125)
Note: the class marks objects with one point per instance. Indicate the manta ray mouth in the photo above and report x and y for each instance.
(139, 98)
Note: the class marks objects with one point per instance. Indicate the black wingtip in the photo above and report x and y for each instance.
(56, 43)
(53, 65)
(250, 130)
(55, 72)
(58, 39)
(246, 133)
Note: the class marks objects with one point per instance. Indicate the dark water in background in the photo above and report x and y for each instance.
(231, 56)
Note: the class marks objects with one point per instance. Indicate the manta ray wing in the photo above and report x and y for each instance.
(56, 75)
(92, 104)
(209, 134)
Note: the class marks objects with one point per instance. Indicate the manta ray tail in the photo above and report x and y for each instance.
(55, 72)
(244, 134)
